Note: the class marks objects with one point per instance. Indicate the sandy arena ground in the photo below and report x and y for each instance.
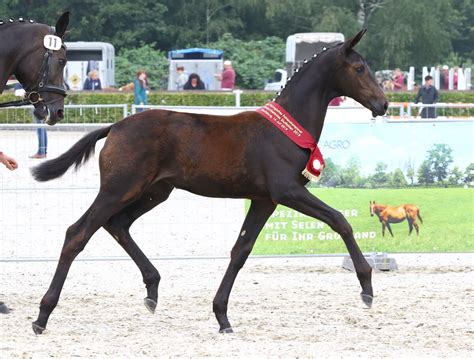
(279, 306)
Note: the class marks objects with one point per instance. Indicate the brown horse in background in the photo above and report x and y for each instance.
(388, 214)
(149, 154)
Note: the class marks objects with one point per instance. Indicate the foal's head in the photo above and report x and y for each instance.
(354, 78)
(41, 69)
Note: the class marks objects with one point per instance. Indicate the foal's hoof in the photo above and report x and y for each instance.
(150, 304)
(367, 299)
(4, 309)
(226, 330)
(37, 329)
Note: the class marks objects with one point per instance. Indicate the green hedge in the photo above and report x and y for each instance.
(248, 98)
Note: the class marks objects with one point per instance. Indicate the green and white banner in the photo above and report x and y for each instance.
(420, 176)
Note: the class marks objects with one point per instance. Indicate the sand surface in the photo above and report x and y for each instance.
(279, 307)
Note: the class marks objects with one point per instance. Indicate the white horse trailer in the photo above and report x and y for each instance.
(300, 47)
(204, 62)
(83, 56)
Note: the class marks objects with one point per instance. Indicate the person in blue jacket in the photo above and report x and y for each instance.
(92, 82)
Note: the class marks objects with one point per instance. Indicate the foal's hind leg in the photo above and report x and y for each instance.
(256, 217)
(300, 199)
(77, 237)
(118, 226)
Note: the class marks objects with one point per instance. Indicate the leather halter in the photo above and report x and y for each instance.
(33, 93)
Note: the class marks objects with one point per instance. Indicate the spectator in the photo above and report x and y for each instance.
(92, 82)
(444, 78)
(181, 78)
(429, 95)
(227, 77)
(41, 131)
(194, 83)
(455, 77)
(140, 89)
(398, 80)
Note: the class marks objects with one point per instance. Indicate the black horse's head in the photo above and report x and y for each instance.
(41, 69)
(355, 79)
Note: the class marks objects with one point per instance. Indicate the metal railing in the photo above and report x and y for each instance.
(100, 113)
(110, 113)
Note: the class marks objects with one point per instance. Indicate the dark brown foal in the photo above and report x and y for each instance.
(146, 155)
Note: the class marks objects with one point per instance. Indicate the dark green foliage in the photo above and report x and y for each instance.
(401, 32)
(129, 61)
(254, 61)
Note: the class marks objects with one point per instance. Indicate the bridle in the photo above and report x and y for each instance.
(33, 93)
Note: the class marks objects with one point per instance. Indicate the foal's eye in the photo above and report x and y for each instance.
(62, 61)
(360, 69)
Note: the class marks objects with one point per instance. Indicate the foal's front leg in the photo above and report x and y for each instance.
(256, 217)
(300, 199)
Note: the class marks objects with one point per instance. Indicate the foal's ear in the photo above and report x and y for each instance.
(350, 43)
(62, 24)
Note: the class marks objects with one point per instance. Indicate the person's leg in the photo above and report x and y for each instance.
(42, 140)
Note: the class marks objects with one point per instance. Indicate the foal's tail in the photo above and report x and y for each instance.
(419, 215)
(76, 155)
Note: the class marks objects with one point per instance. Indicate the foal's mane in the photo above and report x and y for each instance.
(303, 68)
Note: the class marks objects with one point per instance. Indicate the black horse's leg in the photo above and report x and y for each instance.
(303, 201)
(383, 229)
(258, 214)
(118, 226)
(77, 236)
(389, 228)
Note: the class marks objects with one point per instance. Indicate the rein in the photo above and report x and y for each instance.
(33, 93)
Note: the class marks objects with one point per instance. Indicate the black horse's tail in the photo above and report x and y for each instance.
(76, 155)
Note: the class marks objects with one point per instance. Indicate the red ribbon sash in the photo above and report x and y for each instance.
(282, 120)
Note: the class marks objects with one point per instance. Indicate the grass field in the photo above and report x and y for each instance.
(447, 213)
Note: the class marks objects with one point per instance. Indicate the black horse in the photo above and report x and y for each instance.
(149, 154)
(36, 54)
(39, 70)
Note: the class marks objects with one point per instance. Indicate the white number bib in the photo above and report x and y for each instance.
(52, 42)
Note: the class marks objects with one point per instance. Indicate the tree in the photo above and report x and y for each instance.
(398, 179)
(330, 176)
(145, 57)
(455, 177)
(365, 10)
(425, 175)
(410, 171)
(380, 177)
(408, 32)
(253, 61)
(350, 175)
(439, 159)
(469, 174)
